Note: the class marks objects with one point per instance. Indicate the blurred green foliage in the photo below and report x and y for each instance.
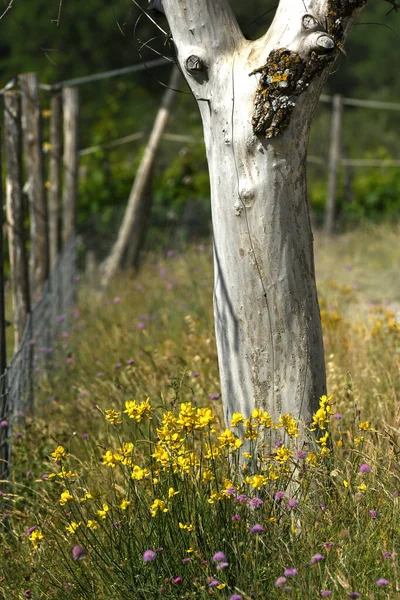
(97, 36)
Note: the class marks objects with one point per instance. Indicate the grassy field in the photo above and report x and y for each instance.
(117, 497)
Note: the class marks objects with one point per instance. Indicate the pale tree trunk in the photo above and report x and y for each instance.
(267, 319)
(131, 232)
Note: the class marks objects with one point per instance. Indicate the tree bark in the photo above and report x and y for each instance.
(131, 231)
(256, 128)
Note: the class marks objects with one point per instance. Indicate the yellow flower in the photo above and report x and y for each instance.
(251, 431)
(312, 459)
(211, 451)
(204, 417)
(247, 455)
(346, 483)
(36, 538)
(113, 416)
(283, 454)
(138, 412)
(214, 497)
(257, 481)
(59, 453)
(228, 439)
(289, 424)
(339, 443)
(172, 492)
(103, 513)
(86, 496)
(73, 526)
(221, 586)
(65, 497)
(138, 473)
(158, 506)
(362, 488)
(189, 527)
(124, 504)
(110, 459)
(92, 524)
(236, 419)
(64, 474)
(323, 440)
(208, 476)
(187, 417)
(364, 425)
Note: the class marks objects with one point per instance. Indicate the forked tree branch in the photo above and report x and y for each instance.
(206, 24)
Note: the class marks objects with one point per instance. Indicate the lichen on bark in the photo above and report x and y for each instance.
(286, 75)
(283, 78)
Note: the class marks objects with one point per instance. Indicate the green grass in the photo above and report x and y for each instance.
(153, 337)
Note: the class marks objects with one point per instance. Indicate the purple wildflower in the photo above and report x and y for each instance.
(219, 556)
(278, 444)
(241, 498)
(364, 468)
(170, 253)
(177, 580)
(196, 374)
(27, 594)
(279, 495)
(4, 423)
(354, 595)
(374, 514)
(222, 565)
(18, 435)
(300, 455)
(338, 416)
(382, 582)
(130, 361)
(292, 503)
(214, 397)
(213, 582)
(236, 517)
(117, 300)
(85, 436)
(186, 560)
(231, 491)
(326, 593)
(257, 528)
(149, 555)
(280, 581)
(236, 597)
(255, 503)
(317, 558)
(30, 529)
(78, 552)
(387, 555)
(327, 544)
(290, 572)
(45, 476)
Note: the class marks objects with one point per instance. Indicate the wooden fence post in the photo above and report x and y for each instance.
(32, 134)
(55, 167)
(4, 407)
(132, 228)
(15, 213)
(71, 160)
(334, 163)
(3, 347)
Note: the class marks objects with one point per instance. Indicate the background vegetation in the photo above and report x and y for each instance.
(96, 36)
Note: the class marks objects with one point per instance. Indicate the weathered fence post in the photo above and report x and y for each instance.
(71, 160)
(15, 213)
(32, 134)
(4, 435)
(55, 168)
(334, 163)
(131, 230)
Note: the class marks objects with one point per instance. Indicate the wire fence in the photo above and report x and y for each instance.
(19, 384)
